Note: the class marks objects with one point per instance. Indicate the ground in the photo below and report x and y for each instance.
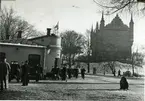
(98, 88)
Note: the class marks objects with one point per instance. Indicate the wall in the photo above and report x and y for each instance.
(20, 54)
(48, 40)
(53, 50)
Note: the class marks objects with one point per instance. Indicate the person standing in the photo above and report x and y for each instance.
(22, 66)
(76, 71)
(8, 68)
(3, 73)
(119, 72)
(64, 70)
(25, 74)
(83, 72)
(69, 72)
(37, 73)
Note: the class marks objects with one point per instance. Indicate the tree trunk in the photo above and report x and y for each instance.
(88, 67)
(69, 60)
(88, 62)
(132, 70)
(104, 70)
(114, 73)
(133, 65)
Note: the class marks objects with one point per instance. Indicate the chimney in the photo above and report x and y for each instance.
(7, 37)
(48, 31)
(19, 34)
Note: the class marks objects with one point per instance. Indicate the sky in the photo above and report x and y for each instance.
(77, 15)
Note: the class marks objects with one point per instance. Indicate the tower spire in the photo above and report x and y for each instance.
(102, 24)
(102, 16)
(131, 25)
(92, 29)
(97, 26)
(131, 20)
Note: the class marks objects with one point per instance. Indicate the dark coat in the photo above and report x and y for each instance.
(123, 83)
(3, 70)
(83, 71)
(25, 69)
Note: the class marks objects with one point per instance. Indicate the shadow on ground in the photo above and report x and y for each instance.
(15, 95)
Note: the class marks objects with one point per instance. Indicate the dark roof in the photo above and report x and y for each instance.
(117, 23)
(52, 35)
(38, 37)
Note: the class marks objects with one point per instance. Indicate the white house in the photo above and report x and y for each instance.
(44, 50)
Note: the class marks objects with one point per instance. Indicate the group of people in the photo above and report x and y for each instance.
(64, 73)
(26, 71)
(14, 70)
(6, 73)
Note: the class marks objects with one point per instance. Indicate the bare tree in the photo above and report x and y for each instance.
(137, 59)
(112, 6)
(111, 65)
(72, 45)
(88, 50)
(10, 24)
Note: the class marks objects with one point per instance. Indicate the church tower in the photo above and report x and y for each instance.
(102, 23)
(97, 27)
(131, 29)
(91, 36)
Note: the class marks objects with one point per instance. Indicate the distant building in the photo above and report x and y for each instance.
(44, 50)
(112, 41)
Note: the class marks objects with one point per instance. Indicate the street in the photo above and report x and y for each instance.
(98, 88)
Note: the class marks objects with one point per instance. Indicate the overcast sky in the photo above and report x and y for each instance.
(77, 15)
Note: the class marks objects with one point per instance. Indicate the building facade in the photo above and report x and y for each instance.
(112, 41)
(44, 50)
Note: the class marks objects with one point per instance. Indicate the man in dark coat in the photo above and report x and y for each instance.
(57, 73)
(3, 73)
(25, 74)
(38, 72)
(69, 72)
(76, 71)
(64, 70)
(21, 71)
(119, 72)
(83, 72)
(123, 83)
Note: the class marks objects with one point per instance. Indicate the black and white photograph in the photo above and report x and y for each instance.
(88, 50)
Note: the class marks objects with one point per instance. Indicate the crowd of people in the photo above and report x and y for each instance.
(64, 72)
(22, 72)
